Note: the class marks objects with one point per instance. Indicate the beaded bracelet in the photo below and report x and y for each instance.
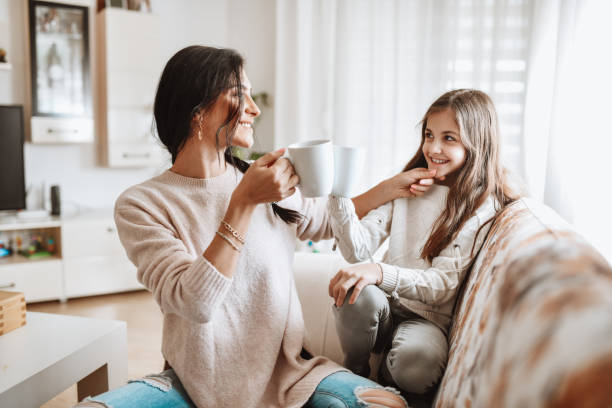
(232, 231)
(229, 241)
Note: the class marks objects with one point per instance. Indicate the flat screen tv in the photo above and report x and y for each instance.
(12, 183)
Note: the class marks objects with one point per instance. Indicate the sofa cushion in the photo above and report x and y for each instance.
(533, 324)
(312, 272)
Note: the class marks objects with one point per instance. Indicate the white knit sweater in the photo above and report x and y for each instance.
(428, 289)
(232, 342)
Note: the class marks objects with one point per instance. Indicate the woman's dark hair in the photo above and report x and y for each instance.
(191, 82)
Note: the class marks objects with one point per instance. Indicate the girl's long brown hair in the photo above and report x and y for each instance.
(481, 175)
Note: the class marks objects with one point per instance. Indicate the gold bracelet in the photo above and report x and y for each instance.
(232, 231)
(229, 241)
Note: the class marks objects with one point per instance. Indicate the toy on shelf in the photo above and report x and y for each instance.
(6, 248)
(41, 244)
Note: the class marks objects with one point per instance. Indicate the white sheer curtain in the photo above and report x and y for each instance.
(567, 137)
(363, 72)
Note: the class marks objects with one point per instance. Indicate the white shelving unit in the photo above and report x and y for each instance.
(88, 260)
(130, 64)
(39, 279)
(5, 66)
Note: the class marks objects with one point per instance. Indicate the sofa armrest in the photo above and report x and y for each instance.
(313, 272)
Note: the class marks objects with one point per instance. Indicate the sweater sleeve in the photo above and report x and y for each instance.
(439, 283)
(180, 283)
(359, 239)
(315, 222)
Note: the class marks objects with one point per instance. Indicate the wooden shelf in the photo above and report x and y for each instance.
(14, 223)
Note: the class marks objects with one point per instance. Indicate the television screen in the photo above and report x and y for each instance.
(12, 184)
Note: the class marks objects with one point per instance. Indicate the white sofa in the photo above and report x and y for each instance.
(312, 273)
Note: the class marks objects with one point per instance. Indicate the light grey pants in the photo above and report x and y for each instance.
(416, 349)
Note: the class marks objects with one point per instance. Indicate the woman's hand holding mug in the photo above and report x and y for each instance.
(269, 179)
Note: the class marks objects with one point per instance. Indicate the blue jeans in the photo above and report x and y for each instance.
(156, 391)
(337, 390)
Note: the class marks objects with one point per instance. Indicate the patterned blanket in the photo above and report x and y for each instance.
(533, 325)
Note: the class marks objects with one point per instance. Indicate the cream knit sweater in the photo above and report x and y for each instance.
(428, 289)
(232, 342)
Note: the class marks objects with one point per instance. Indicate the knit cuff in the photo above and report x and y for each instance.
(205, 281)
(390, 278)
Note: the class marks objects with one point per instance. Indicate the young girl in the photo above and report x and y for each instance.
(403, 305)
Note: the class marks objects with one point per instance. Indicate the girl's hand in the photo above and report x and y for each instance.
(268, 179)
(411, 183)
(357, 276)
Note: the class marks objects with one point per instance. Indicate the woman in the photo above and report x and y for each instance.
(216, 250)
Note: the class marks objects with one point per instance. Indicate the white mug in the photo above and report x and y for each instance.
(314, 164)
(348, 165)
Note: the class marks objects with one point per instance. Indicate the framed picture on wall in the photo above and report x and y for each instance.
(59, 73)
(59, 51)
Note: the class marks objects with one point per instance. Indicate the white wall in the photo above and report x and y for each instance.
(246, 26)
(252, 30)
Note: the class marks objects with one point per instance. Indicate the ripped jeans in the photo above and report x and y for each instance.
(344, 389)
(338, 390)
(162, 390)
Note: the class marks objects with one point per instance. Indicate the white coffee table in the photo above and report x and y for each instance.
(52, 352)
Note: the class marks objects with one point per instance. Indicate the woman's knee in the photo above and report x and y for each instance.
(415, 367)
(371, 304)
(364, 396)
(345, 389)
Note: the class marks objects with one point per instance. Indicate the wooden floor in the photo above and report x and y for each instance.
(144, 329)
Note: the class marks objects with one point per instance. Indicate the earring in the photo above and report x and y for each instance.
(200, 131)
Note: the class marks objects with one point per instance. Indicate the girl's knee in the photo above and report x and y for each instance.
(414, 367)
(370, 302)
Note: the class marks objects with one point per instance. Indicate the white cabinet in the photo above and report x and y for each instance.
(59, 77)
(88, 259)
(38, 280)
(130, 64)
(94, 260)
(61, 130)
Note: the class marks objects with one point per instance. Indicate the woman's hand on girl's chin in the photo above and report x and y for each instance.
(355, 276)
(268, 179)
(411, 183)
